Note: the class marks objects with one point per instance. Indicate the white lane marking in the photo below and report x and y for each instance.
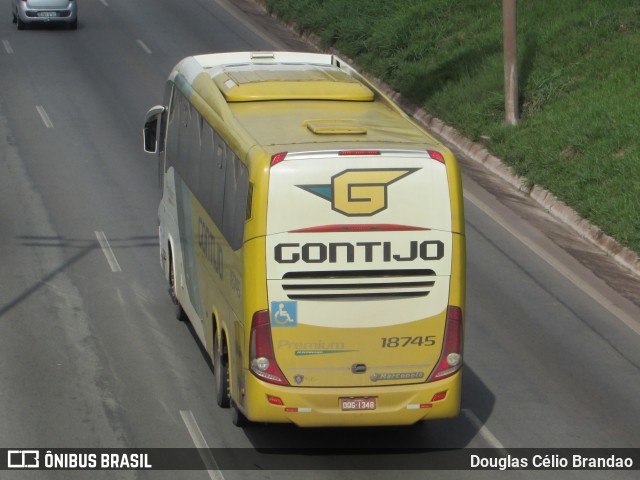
(104, 2)
(7, 47)
(144, 47)
(277, 44)
(484, 432)
(627, 319)
(201, 444)
(43, 115)
(106, 249)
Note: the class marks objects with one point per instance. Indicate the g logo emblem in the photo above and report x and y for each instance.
(359, 193)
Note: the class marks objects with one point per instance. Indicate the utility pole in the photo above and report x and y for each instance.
(509, 22)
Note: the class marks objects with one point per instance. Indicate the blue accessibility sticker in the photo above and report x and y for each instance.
(284, 314)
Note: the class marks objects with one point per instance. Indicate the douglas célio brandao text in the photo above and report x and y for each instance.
(552, 462)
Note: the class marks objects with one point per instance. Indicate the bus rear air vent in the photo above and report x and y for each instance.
(358, 284)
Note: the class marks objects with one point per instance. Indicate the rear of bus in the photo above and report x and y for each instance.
(365, 285)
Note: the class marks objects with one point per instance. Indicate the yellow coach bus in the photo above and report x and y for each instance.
(314, 237)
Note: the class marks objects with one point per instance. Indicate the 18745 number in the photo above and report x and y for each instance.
(394, 342)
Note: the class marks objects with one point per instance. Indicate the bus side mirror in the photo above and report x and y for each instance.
(151, 132)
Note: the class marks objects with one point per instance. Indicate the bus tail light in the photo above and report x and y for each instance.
(359, 152)
(451, 359)
(262, 357)
(435, 155)
(273, 400)
(277, 158)
(439, 396)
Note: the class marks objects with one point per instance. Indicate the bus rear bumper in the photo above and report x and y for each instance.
(321, 407)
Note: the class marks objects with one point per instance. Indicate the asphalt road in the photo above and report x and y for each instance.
(91, 355)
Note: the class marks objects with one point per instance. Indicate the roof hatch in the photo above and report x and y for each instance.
(335, 127)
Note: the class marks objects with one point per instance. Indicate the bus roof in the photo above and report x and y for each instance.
(296, 101)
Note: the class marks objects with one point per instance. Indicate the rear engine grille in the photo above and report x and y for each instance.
(358, 284)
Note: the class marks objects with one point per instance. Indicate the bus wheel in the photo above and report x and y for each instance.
(179, 312)
(237, 417)
(221, 374)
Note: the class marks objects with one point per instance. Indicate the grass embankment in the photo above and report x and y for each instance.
(579, 70)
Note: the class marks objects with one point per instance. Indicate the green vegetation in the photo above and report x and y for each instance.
(579, 69)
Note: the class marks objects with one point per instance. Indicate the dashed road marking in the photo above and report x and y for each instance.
(43, 115)
(484, 432)
(144, 47)
(106, 249)
(7, 47)
(201, 444)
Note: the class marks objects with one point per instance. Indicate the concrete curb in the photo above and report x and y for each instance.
(478, 153)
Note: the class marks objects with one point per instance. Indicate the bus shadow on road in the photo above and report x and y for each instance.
(424, 445)
(449, 433)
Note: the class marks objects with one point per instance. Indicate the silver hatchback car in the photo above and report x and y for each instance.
(28, 12)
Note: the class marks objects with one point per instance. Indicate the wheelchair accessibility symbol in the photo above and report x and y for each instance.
(284, 314)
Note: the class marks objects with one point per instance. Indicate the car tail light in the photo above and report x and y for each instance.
(451, 358)
(261, 355)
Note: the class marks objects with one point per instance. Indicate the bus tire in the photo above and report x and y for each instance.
(179, 311)
(221, 374)
(237, 417)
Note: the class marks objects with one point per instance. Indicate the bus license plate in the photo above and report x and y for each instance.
(358, 403)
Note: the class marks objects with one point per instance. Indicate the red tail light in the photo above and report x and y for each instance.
(277, 158)
(435, 155)
(451, 359)
(262, 358)
(368, 227)
(359, 152)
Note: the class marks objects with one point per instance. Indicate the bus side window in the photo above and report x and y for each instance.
(235, 201)
(207, 172)
(194, 135)
(217, 184)
(184, 137)
(173, 130)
